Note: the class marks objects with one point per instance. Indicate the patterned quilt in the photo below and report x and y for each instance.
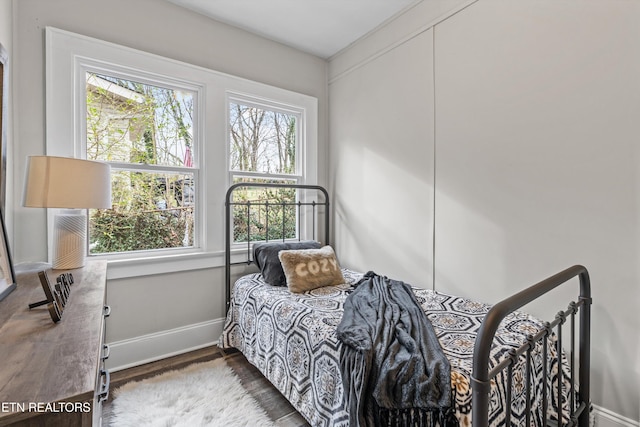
(291, 339)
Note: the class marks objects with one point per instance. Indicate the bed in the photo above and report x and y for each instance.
(507, 367)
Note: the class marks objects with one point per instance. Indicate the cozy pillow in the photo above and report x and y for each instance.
(266, 258)
(310, 268)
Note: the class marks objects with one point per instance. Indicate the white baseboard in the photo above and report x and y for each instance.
(606, 418)
(149, 348)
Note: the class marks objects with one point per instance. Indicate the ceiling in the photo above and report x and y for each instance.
(320, 27)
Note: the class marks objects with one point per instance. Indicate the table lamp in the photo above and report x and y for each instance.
(73, 185)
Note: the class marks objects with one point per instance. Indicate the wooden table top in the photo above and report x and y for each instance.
(42, 361)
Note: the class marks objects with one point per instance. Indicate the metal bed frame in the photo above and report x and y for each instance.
(481, 376)
(579, 404)
(229, 204)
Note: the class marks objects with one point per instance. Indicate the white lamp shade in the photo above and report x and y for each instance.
(62, 182)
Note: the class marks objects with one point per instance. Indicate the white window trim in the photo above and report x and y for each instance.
(300, 177)
(84, 65)
(67, 52)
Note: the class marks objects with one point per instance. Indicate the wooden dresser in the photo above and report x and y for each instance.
(53, 374)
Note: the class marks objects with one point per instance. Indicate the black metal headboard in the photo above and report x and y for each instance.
(247, 205)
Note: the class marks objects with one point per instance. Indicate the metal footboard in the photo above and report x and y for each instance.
(482, 375)
(314, 203)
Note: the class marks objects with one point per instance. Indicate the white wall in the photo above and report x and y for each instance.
(379, 165)
(6, 23)
(536, 161)
(149, 314)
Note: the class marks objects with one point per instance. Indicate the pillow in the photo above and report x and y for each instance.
(266, 258)
(310, 268)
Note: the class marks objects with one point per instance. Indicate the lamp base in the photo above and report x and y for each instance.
(69, 240)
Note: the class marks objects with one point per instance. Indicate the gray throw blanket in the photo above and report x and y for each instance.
(393, 369)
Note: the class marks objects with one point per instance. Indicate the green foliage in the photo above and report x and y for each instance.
(146, 215)
(122, 231)
(262, 228)
(270, 217)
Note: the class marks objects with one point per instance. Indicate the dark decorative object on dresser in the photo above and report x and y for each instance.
(56, 296)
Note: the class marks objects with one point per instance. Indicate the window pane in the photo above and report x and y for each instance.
(133, 122)
(273, 215)
(262, 140)
(150, 211)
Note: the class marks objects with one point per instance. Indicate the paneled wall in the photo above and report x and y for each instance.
(537, 161)
(526, 126)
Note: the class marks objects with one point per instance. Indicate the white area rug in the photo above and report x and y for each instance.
(203, 394)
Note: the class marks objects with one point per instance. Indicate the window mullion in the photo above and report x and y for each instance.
(267, 176)
(141, 167)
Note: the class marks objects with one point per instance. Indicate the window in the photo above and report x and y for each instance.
(145, 132)
(264, 146)
(263, 141)
(164, 126)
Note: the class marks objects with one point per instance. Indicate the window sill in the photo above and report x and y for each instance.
(137, 267)
(173, 263)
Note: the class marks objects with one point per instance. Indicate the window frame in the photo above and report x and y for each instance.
(87, 65)
(65, 51)
(305, 224)
(252, 101)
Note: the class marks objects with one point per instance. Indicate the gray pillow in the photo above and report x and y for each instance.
(266, 258)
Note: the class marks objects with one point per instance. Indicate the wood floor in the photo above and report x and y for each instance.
(268, 397)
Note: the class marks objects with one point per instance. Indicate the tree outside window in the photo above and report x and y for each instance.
(146, 133)
(264, 147)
